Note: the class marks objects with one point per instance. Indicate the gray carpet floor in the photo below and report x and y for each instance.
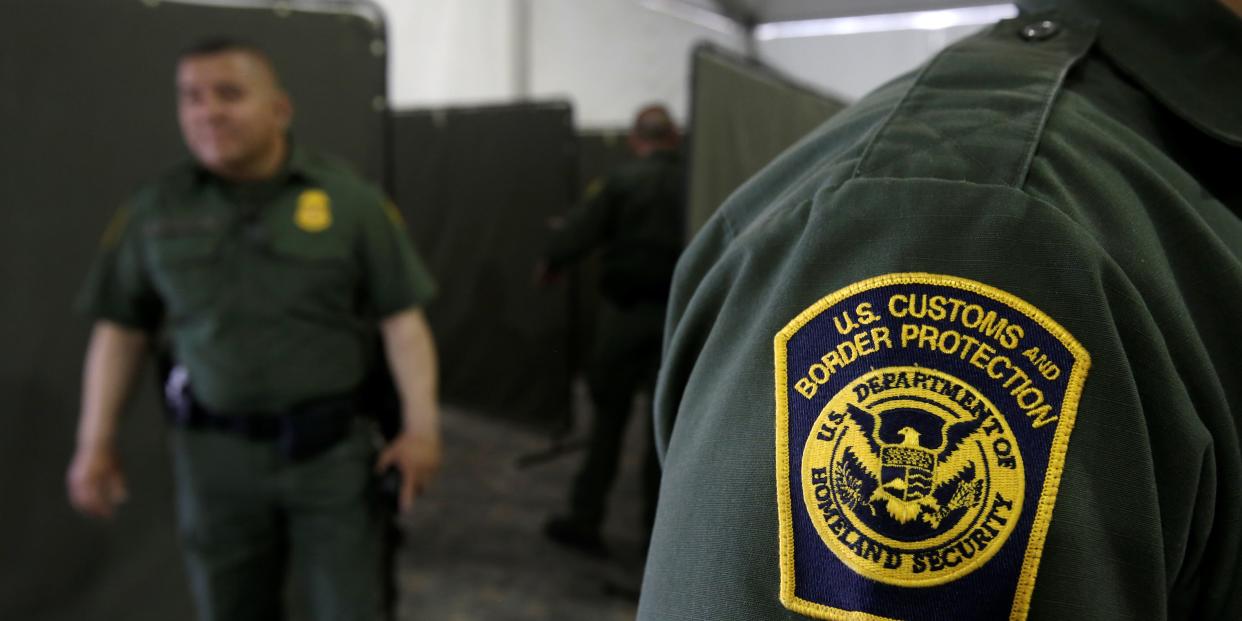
(474, 549)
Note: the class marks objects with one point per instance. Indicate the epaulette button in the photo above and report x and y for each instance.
(1040, 31)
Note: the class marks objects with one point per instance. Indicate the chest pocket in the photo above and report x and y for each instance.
(185, 262)
(310, 272)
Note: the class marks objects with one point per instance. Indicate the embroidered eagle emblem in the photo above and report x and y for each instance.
(906, 473)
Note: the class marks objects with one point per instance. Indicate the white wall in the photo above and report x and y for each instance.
(851, 65)
(608, 57)
(612, 56)
(450, 51)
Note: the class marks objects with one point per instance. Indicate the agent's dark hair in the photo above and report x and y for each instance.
(222, 44)
(654, 123)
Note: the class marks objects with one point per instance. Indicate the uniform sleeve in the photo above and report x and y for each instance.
(586, 226)
(118, 287)
(1112, 531)
(394, 276)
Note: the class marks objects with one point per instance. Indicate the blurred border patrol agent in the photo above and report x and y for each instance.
(268, 266)
(633, 216)
(971, 350)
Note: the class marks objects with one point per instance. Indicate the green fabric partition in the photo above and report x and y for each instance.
(87, 114)
(743, 114)
(478, 185)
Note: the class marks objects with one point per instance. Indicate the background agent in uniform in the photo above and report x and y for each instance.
(634, 216)
(268, 268)
(848, 429)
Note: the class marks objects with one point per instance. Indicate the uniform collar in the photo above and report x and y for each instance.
(1186, 53)
(298, 166)
(668, 153)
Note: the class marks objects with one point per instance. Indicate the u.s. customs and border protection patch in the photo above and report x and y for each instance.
(921, 427)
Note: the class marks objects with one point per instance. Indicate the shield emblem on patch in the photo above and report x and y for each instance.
(314, 211)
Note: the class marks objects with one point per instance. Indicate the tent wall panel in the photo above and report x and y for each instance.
(478, 185)
(743, 114)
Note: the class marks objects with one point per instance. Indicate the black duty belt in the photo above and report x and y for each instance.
(253, 425)
(302, 432)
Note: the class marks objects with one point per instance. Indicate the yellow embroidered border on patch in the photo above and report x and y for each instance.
(922, 423)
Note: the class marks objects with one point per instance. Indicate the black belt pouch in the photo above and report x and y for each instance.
(312, 428)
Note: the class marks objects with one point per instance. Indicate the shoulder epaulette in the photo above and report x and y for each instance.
(975, 113)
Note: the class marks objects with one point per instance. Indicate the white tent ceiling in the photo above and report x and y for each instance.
(754, 12)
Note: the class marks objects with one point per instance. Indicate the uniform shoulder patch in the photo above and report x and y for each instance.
(594, 188)
(394, 214)
(921, 427)
(116, 227)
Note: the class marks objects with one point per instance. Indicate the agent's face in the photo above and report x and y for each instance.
(233, 115)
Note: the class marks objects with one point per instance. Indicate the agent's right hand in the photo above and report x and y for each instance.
(95, 482)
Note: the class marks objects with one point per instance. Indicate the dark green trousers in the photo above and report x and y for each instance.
(248, 518)
(624, 363)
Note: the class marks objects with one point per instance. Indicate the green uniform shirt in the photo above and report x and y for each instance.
(970, 351)
(635, 216)
(268, 291)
